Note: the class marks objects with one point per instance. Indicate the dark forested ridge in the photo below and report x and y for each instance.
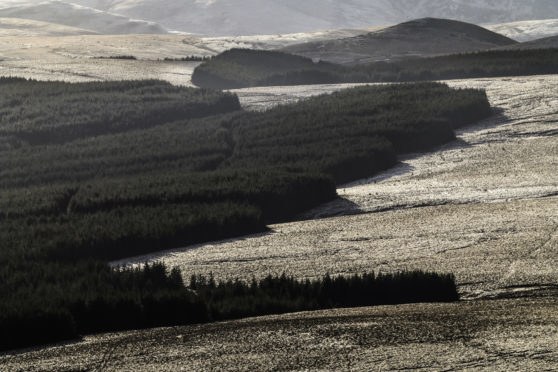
(68, 203)
(238, 68)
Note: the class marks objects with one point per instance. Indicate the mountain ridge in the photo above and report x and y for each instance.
(252, 17)
(79, 16)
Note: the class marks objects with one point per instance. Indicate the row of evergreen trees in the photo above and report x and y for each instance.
(239, 68)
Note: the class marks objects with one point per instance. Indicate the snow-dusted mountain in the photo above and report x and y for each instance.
(244, 17)
(527, 30)
(77, 16)
(17, 27)
(249, 17)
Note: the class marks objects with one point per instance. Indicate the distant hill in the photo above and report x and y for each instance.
(417, 38)
(544, 43)
(527, 30)
(17, 27)
(67, 14)
(255, 17)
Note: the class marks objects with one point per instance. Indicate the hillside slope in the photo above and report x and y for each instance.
(417, 38)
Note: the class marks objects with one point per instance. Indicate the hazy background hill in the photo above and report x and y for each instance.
(417, 38)
(248, 17)
(77, 16)
(18, 27)
(527, 30)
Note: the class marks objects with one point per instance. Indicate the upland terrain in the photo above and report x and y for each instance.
(128, 198)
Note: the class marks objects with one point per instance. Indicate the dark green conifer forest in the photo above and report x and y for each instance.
(239, 68)
(97, 171)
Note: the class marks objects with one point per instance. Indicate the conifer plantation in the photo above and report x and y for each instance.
(239, 68)
(96, 171)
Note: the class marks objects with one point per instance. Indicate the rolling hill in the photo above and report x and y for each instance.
(417, 38)
(18, 27)
(544, 43)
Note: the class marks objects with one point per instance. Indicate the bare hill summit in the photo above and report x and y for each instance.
(417, 38)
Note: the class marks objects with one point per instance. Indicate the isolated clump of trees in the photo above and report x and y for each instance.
(144, 166)
(239, 68)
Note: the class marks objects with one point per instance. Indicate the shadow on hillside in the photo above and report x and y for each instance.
(400, 169)
(334, 208)
(160, 255)
(496, 119)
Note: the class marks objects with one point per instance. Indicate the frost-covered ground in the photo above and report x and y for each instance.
(484, 207)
